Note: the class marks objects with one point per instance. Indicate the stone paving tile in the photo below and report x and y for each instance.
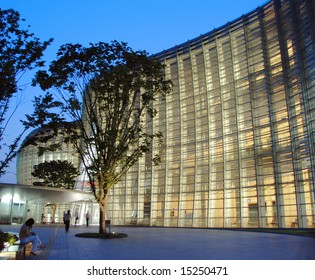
(145, 243)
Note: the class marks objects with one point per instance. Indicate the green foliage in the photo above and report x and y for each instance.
(108, 91)
(6, 238)
(56, 174)
(20, 51)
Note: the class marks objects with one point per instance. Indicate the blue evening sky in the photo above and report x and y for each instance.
(147, 25)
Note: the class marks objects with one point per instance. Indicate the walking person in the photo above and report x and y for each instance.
(87, 217)
(67, 219)
(42, 218)
(26, 235)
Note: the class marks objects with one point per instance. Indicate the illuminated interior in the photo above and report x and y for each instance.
(238, 129)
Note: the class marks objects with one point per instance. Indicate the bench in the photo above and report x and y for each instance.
(23, 249)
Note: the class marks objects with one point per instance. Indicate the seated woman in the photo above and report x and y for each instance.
(26, 236)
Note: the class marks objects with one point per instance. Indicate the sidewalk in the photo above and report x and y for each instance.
(153, 243)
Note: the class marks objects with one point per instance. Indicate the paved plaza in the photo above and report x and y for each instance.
(154, 243)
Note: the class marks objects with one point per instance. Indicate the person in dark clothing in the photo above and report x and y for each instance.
(66, 219)
(87, 218)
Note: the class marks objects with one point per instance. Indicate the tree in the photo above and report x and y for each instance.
(20, 51)
(55, 174)
(108, 91)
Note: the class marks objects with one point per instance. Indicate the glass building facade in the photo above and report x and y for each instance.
(28, 154)
(239, 129)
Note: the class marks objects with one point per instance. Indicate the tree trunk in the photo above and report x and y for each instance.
(103, 205)
(54, 208)
(102, 229)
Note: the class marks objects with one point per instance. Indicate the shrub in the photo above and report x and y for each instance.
(6, 239)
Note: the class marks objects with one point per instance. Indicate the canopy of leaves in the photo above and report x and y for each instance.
(20, 51)
(108, 90)
(56, 174)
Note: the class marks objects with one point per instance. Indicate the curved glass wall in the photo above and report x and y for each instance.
(239, 129)
(28, 155)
